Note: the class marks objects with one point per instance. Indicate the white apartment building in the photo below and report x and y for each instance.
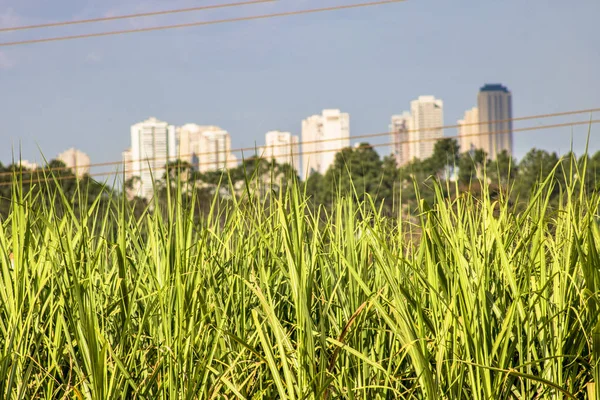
(218, 147)
(399, 131)
(153, 145)
(206, 148)
(76, 160)
(282, 147)
(28, 165)
(323, 136)
(427, 118)
(468, 131)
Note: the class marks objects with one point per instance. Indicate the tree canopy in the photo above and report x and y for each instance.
(356, 172)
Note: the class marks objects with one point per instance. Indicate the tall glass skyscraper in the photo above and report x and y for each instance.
(494, 103)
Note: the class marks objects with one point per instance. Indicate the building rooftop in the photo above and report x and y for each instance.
(493, 87)
(152, 121)
(438, 103)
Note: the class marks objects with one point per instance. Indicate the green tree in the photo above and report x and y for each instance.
(567, 169)
(480, 158)
(471, 165)
(589, 171)
(419, 170)
(177, 169)
(466, 168)
(355, 171)
(315, 188)
(445, 156)
(390, 181)
(533, 168)
(45, 182)
(503, 169)
(418, 173)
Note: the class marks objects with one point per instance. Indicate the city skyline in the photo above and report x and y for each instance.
(469, 118)
(271, 74)
(283, 146)
(413, 135)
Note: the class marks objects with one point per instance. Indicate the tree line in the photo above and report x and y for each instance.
(357, 171)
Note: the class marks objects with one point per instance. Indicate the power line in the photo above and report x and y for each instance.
(200, 23)
(133, 172)
(131, 16)
(364, 136)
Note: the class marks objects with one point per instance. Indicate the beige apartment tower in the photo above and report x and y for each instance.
(76, 160)
(427, 119)
(469, 138)
(323, 136)
(282, 147)
(206, 148)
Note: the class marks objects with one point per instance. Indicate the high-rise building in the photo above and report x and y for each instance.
(25, 164)
(323, 136)
(153, 145)
(127, 158)
(190, 142)
(76, 160)
(399, 131)
(468, 131)
(218, 152)
(494, 102)
(427, 118)
(129, 186)
(281, 147)
(206, 148)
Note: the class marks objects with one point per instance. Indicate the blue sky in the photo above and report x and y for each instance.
(252, 77)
